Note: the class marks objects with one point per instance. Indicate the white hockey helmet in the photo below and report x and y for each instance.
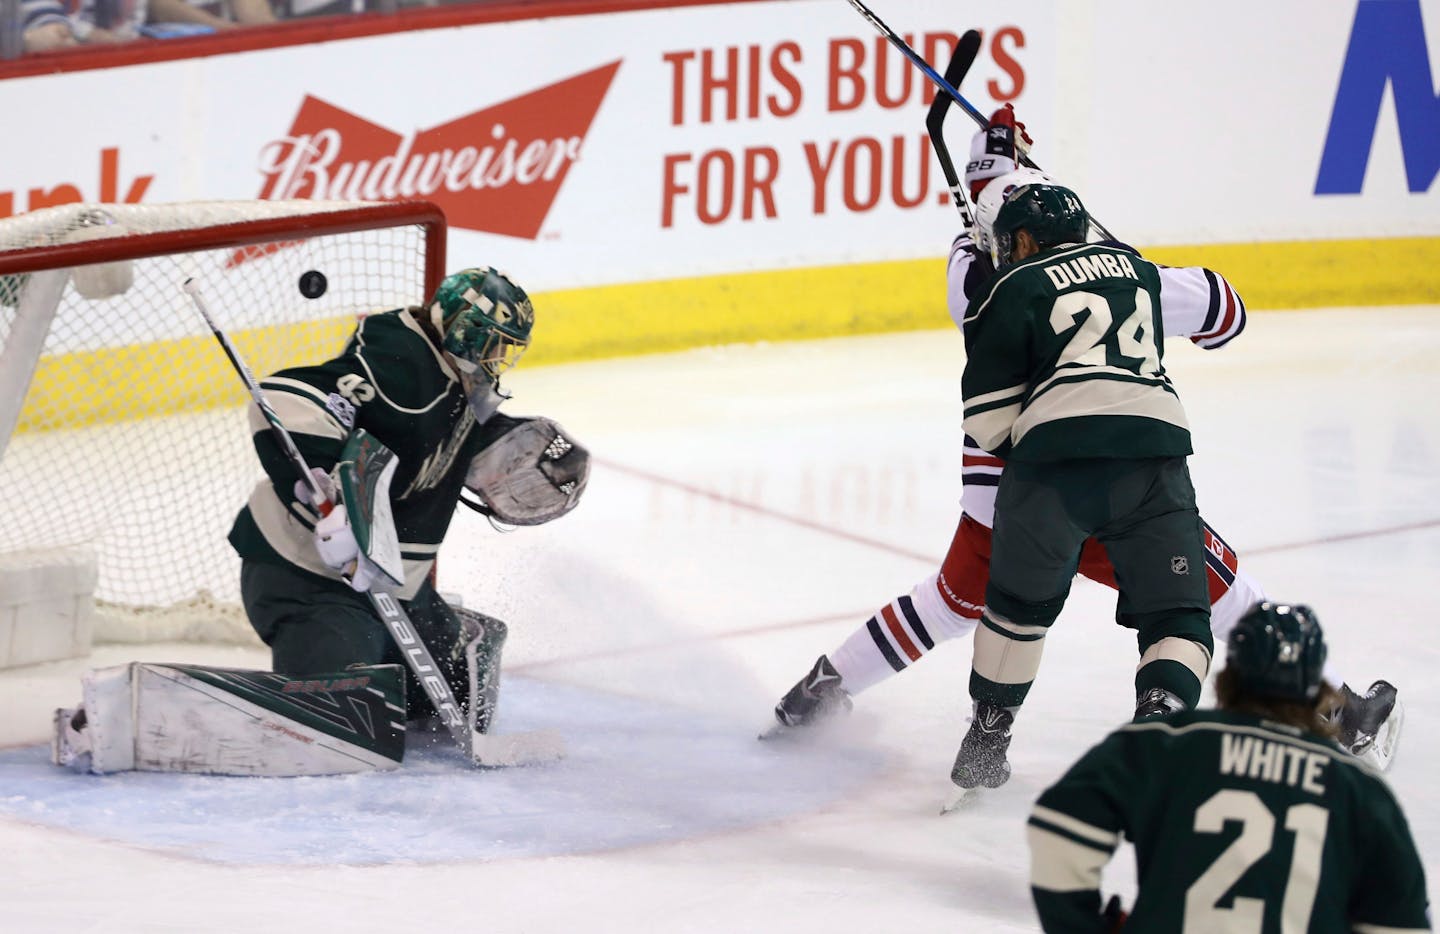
(992, 196)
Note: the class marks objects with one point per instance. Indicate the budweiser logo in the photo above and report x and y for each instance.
(496, 170)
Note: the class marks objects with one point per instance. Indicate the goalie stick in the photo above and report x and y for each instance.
(949, 88)
(482, 749)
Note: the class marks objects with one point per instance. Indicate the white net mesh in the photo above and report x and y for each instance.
(131, 440)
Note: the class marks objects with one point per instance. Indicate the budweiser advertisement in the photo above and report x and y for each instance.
(495, 170)
(709, 139)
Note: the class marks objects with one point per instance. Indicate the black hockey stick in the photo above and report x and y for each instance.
(960, 62)
(949, 88)
(917, 61)
(483, 749)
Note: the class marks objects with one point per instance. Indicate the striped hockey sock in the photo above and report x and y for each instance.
(899, 635)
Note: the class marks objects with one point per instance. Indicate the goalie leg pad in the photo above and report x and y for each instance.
(221, 721)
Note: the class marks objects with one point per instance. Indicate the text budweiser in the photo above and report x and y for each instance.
(308, 165)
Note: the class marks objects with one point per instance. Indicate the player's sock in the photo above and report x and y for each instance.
(902, 633)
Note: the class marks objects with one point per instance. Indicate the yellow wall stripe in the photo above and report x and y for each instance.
(186, 375)
(797, 304)
(1321, 273)
(651, 317)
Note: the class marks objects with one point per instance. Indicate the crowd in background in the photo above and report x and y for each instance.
(30, 26)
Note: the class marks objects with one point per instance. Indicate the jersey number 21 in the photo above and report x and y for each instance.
(1307, 822)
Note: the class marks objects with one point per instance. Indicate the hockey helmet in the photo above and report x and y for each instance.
(992, 196)
(484, 321)
(1052, 214)
(1277, 650)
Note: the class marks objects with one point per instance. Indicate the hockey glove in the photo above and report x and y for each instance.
(996, 150)
(979, 267)
(335, 542)
(327, 487)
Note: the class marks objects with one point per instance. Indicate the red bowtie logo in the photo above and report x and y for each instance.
(496, 170)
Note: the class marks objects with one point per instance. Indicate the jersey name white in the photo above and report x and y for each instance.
(1251, 757)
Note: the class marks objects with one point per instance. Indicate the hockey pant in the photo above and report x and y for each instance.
(313, 624)
(948, 604)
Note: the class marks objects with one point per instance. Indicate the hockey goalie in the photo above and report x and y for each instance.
(393, 430)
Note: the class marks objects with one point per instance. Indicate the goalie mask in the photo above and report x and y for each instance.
(485, 322)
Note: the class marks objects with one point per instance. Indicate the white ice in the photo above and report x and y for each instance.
(749, 507)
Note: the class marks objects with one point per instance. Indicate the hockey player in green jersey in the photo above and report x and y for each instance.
(1198, 304)
(425, 383)
(1063, 379)
(1244, 818)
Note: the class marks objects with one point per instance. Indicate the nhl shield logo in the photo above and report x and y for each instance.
(1179, 564)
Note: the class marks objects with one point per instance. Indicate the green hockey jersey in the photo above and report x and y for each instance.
(390, 380)
(1239, 824)
(1064, 360)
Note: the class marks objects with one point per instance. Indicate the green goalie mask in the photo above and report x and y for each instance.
(1277, 650)
(1051, 214)
(485, 320)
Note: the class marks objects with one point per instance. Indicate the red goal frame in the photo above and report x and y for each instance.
(423, 214)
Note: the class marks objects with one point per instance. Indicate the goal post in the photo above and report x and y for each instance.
(124, 450)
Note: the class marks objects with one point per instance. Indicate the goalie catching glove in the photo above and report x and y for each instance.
(996, 150)
(532, 473)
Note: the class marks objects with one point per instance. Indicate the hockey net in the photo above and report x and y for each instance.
(122, 425)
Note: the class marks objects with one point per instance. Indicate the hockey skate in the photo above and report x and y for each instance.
(1370, 723)
(981, 761)
(1157, 702)
(815, 698)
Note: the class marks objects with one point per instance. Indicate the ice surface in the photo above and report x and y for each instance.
(749, 507)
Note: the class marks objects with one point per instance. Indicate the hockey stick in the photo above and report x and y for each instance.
(918, 62)
(949, 88)
(960, 62)
(482, 749)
